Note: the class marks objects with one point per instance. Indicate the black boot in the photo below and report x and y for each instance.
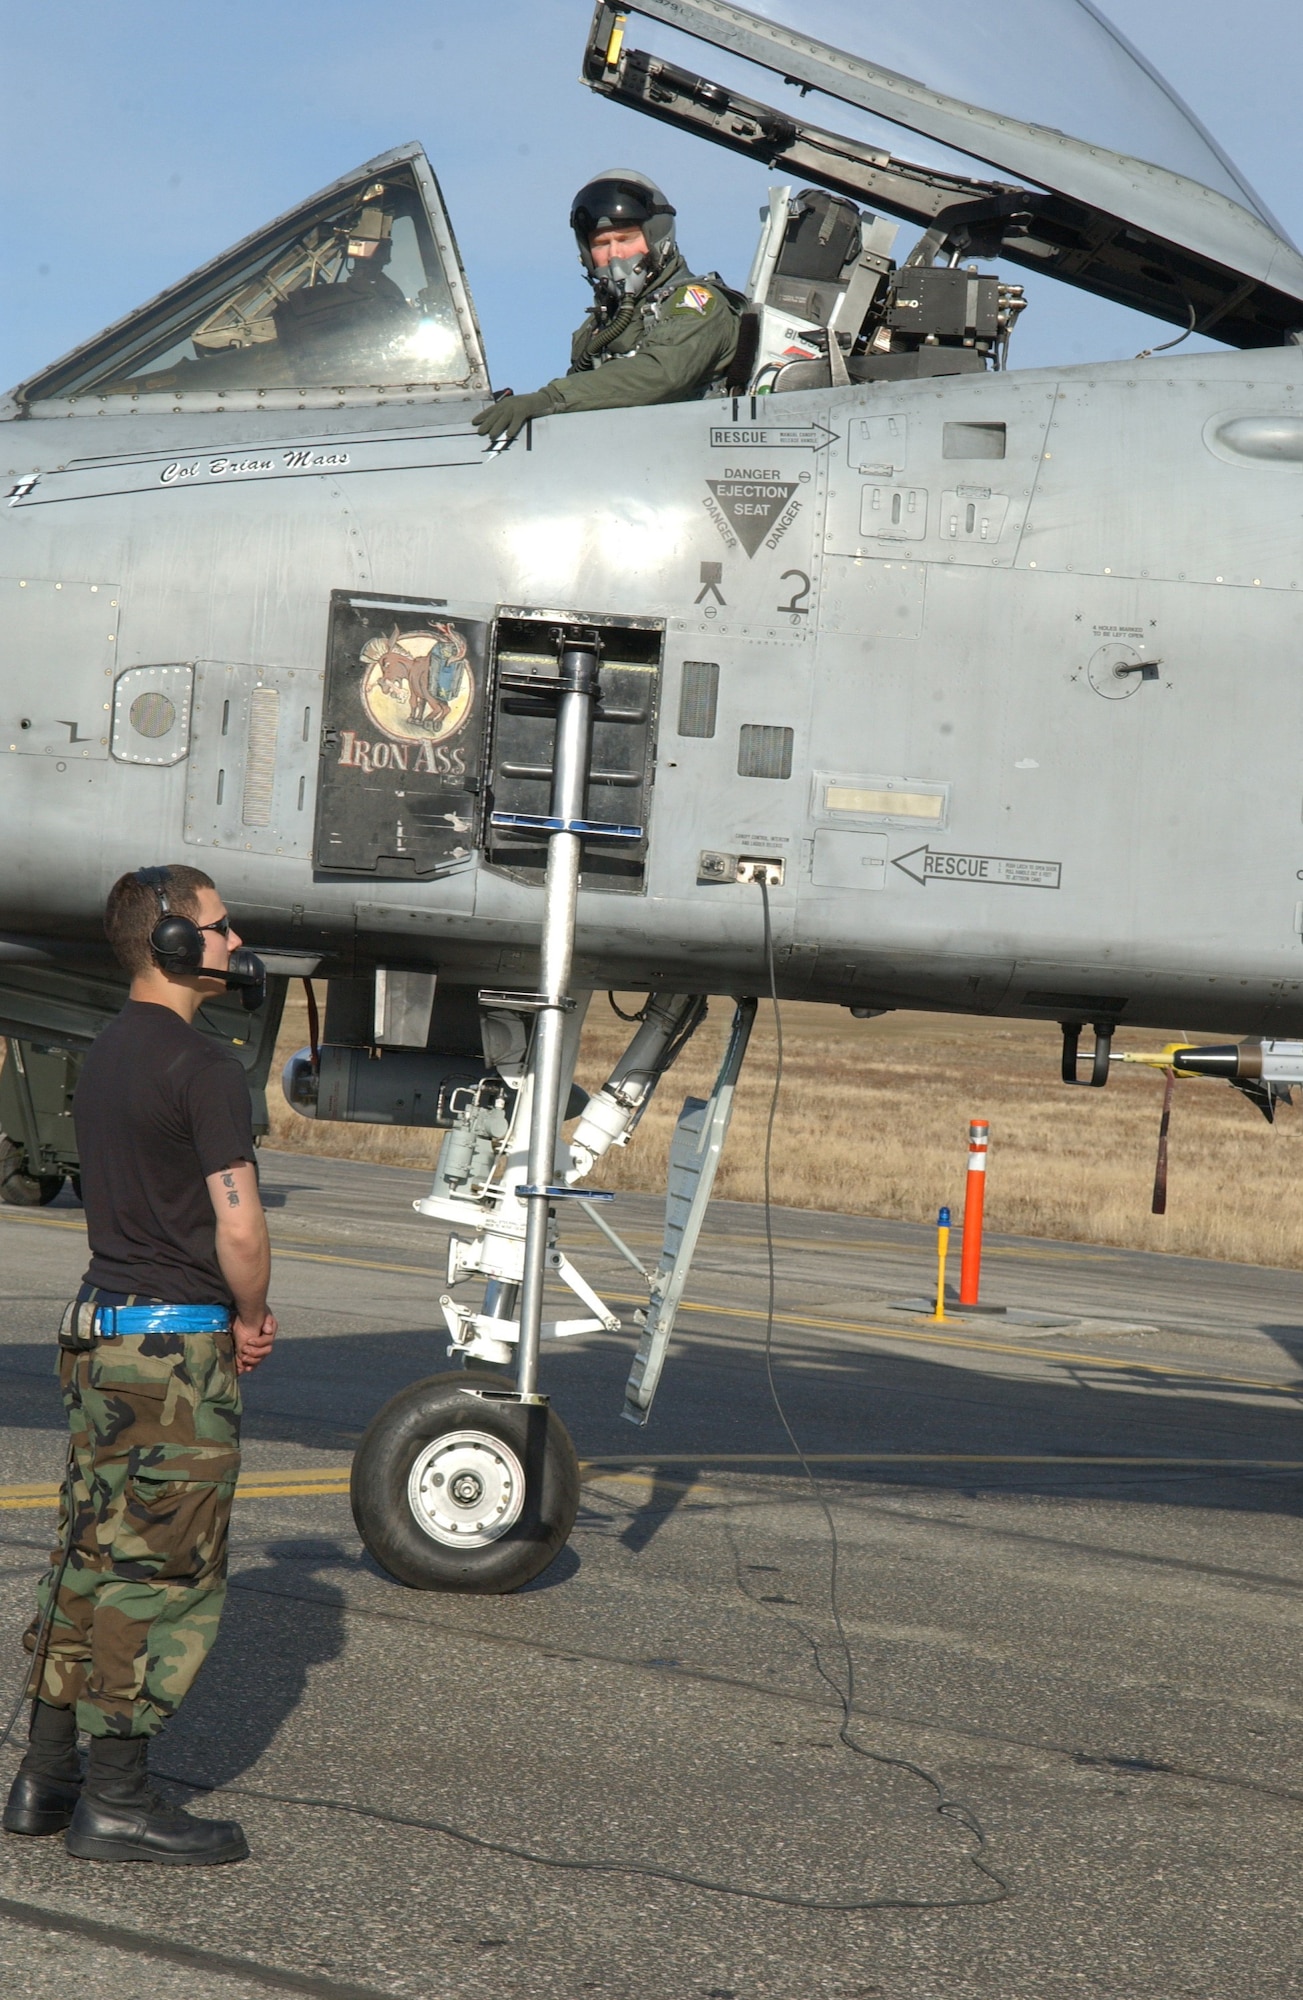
(48, 1785)
(120, 1816)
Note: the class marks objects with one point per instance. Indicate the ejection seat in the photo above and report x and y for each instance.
(827, 306)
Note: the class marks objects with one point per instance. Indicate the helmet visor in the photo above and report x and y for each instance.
(614, 204)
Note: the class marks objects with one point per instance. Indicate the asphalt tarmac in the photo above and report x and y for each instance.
(1070, 1576)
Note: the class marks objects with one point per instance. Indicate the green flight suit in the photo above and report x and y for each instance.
(675, 342)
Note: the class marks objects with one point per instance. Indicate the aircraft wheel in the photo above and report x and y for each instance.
(455, 1487)
(18, 1188)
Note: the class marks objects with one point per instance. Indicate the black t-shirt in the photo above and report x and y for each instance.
(158, 1108)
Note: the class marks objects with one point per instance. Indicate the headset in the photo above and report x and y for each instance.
(176, 945)
(176, 942)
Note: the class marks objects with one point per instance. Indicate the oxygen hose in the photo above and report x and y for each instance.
(605, 335)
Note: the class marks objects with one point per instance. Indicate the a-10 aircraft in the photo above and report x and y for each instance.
(975, 687)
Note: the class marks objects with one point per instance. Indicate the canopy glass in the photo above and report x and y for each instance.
(1055, 63)
(357, 289)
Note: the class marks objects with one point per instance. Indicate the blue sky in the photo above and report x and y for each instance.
(140, 139)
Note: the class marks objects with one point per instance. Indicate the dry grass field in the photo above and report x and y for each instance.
(873, 1120)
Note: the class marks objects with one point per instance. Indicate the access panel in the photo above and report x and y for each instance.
(252, 749)
(58, 656)
(401, 734)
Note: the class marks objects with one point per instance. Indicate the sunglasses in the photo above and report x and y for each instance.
(222, 927)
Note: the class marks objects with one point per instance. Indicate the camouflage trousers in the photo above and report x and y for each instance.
(155, 1440)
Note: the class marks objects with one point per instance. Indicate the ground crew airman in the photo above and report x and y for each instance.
(654, 334)
(172, 1309)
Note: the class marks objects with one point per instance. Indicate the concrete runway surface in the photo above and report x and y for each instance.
(1070, 1573)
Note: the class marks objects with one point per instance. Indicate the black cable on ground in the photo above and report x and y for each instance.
(587, 1867)
(947, 1807)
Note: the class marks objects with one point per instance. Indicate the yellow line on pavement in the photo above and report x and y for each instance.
(625, 1465)
(257, 1486)
(40, 1221)
(275, 1492)
(358, 1263)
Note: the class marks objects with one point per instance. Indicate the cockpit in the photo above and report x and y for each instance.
(356, 296)
(360, 289)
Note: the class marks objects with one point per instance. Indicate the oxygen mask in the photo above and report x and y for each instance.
(622, 279)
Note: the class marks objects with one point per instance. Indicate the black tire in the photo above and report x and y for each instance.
(538, 1490)
(18, 1188)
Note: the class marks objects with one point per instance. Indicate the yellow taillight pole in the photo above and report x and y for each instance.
(943, 1247)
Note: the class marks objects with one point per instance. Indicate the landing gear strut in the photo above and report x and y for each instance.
(465, 1482)
(461, 1482)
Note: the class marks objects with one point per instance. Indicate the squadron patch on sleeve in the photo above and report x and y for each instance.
(694, 298)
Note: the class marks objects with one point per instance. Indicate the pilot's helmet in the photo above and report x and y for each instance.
(624, 199)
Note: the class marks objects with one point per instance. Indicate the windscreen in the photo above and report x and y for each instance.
(352, 295)
(1057, 63)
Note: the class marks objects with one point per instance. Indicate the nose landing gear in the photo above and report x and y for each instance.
(462, 1483)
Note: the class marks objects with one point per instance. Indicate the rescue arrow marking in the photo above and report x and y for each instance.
(772, 437)
(998, 869)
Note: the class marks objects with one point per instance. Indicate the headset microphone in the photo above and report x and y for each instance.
(247, 975)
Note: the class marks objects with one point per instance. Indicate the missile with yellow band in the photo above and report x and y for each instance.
(1238, 1062)
(1263, 1072)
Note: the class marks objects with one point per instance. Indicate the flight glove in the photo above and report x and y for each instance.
(506, 419)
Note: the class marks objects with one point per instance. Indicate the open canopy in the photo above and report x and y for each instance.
(356, 292)
(1119, 188)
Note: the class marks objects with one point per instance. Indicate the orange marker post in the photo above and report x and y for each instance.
(970, 1266)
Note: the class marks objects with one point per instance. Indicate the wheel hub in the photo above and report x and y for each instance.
(466, 1489)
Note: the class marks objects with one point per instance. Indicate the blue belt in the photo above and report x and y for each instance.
(111, 1320)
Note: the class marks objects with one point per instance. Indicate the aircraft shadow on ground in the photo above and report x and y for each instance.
(960, 1427)
(1289, 1339)
(713, 1403)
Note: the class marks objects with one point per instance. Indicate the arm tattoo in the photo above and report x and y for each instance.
(232, 1197)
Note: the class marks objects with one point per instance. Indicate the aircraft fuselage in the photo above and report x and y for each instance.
(1006, 678)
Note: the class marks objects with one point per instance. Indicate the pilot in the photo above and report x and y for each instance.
(654, 334)
(173, 1307)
